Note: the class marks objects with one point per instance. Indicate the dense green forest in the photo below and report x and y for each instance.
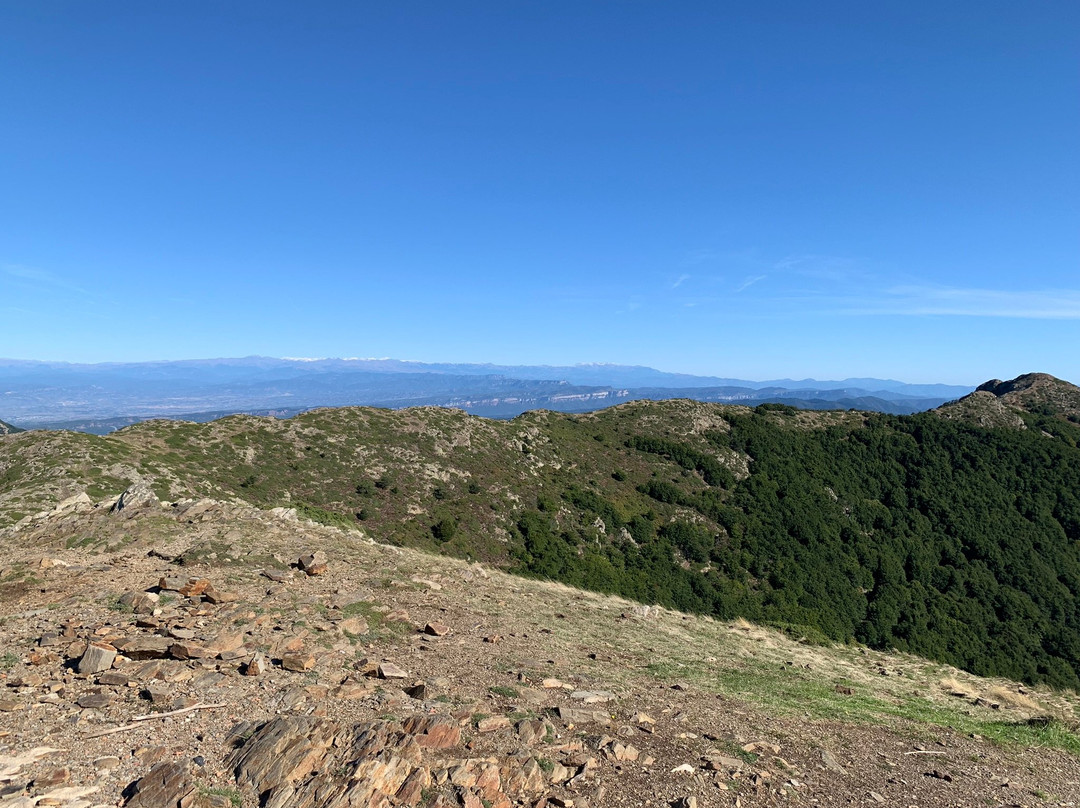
(912, 532)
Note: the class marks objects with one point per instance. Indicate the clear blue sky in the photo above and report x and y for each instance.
(758, 190)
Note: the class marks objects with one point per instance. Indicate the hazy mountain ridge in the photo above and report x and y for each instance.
(99, 397)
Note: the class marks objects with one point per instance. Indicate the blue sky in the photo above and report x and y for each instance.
(755, 190)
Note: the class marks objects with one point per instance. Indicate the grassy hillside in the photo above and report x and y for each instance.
(920, 533)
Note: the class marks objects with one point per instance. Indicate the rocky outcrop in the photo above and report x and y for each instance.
(984, 409)
(1027, 381)
(1038, 393)
(303, 762)
(167, 785)
(138, 496)
(999, 403)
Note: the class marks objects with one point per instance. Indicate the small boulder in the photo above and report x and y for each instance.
(140, 602)
(354, 625)
(79, 502)
(388, 670)
(492, 723)
(313, 563)
(256, 666)
(195, 587)
(189, 650)
(298, 662)
(95, 701)
(136, 497)
(218, 596)
(144, 647)
(97, 658)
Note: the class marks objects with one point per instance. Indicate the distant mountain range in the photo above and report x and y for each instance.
(103, 397)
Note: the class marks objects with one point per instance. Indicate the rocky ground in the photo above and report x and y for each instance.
(211, 654)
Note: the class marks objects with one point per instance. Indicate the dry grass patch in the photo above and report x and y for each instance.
(954, 687)
(1013, 699)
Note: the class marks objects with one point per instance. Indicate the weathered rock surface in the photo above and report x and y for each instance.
(138, 496)
(167, 785)
(498, 712)
(97, 658)
(300, 762)
(313, 563)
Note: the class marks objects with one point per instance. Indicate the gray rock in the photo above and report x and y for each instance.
(136, 497)
(578, 715)
(167, 785)
(389, 670)
(831, 763)
(95, 701)
(97, 658)
(146, 647)
(313, 563)
(140, 602)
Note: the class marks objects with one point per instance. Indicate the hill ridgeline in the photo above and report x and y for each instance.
(950, 534)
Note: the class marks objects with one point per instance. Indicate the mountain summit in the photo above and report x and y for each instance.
(1003, 403)
(1038, 393)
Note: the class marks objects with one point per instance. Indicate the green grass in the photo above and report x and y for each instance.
(81, 542)
(378, 626)
(504, 691)
(323, 516)
(795, 692)
(116, 606)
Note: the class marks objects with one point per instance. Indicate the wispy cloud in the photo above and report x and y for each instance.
(822, 267)
(812, 284)
(932, 300)
(679, 281)
(922, 300)
(695, 257)
(41, 279)
(28, 273)
(746, 284)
